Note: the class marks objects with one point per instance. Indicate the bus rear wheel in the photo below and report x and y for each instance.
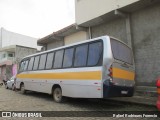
(57, 95)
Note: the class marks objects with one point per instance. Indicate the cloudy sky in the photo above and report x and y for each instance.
(36, 18)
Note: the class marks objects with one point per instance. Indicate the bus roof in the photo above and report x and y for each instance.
(77, 43)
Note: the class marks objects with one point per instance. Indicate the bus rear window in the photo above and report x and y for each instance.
(121, 52)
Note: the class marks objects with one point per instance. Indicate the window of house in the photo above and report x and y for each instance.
(4, 55)
(10, 55)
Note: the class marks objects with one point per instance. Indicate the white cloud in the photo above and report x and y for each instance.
(36, 18)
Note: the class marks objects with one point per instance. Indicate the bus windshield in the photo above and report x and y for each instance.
(121, 52)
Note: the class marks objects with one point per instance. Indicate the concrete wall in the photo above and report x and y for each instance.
(21, 52)
(55, 44)
(8, 38)
(1, 37)
(76, 37)
(114, 28)
(8, 72)
(146, 41)
(145, 29)
(89, 9)
(3, 73)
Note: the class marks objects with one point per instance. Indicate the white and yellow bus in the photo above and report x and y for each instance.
(98, 68)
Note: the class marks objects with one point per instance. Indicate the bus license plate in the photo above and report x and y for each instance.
(124, 92)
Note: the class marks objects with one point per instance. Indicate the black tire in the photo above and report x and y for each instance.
(22, 89)
(57, 95)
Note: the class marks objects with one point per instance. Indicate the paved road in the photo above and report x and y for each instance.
(15, 101)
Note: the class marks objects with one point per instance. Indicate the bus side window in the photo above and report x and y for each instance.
(49, 62)
(121, 52)
(22, 66)
(36, 63)
(95, 50)
(58, 59)
(26, 65)
(68, 57)
(42, 61)
(30, 66)
(81, 56)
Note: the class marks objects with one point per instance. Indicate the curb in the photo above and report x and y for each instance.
(147, 101)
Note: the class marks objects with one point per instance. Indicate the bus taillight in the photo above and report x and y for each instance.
(110, 72)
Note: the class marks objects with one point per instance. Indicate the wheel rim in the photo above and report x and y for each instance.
(57, 94)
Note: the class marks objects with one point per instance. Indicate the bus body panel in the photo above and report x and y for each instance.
(84, 82)
(79, 85)
(121, 83)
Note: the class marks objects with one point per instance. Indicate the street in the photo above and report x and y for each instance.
(32, 101)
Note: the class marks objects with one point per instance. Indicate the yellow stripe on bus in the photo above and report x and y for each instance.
(91, 75)
(123, 74)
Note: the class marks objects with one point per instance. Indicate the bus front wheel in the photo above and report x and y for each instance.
(57, 95)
